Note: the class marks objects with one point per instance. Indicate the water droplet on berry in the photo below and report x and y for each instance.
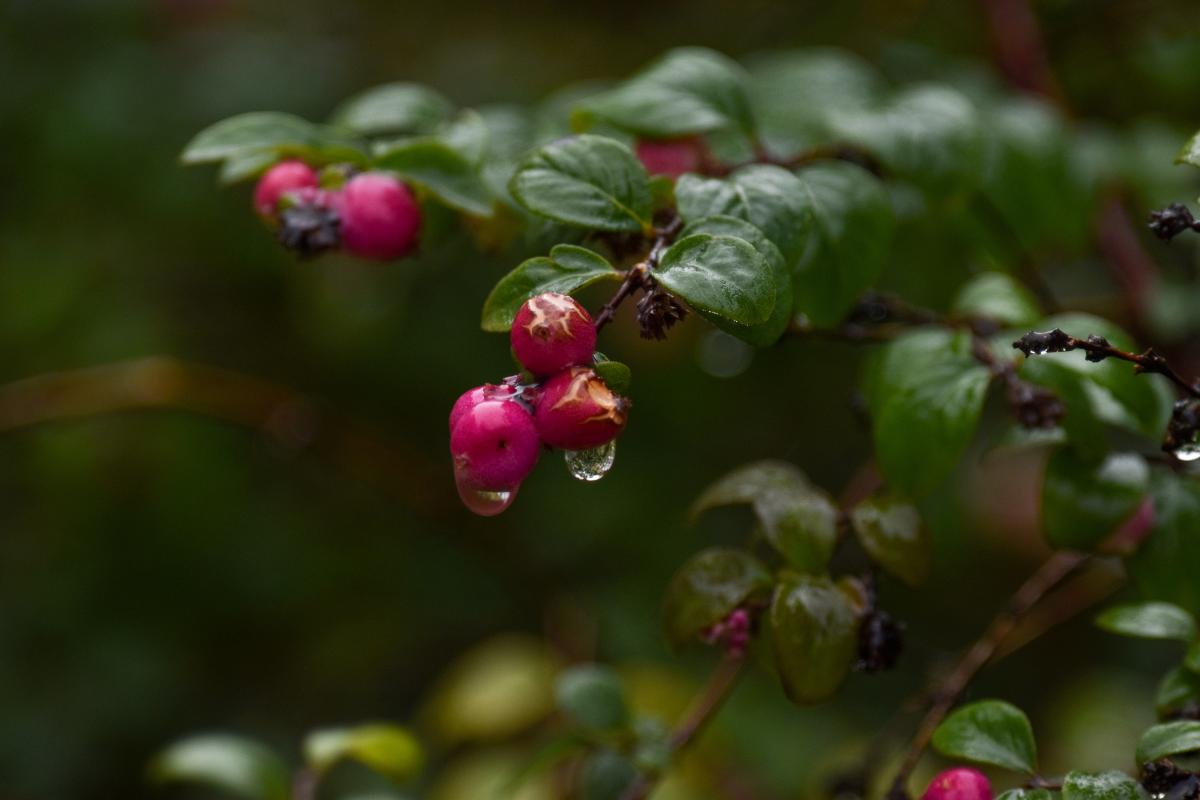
(484, 502)
(593, 464)
(1188, 452)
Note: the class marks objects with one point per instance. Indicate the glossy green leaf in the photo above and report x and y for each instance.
(1166, 564)
(1190, 153)
(771, 198)
(1101, 786)
(1178, 690)
(997, 297)
(606, 775)
(850, 240)
(468, 135)
(1169, 739)
(814, 636)
(284, 134)
(1115, 394)
(686, 91)
(394, 108)
(925, 393)
(708, 587)
(720, 276)
(1084, 501)
(232, 764)
(245, 166)
(390, 750)
(930, 134)
(591, 181)
(796, 517)
(567, 269)
(891, 532)
(440, 169)
(768, 332)
(1149, 621)
(592, 696)
(988, 732)
(616, 375)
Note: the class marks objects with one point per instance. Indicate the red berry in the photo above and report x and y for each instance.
(473, 397)
(672, 157)
(552, 332)
(285, 176)
(576, 410)
(380, 217)
(495, 445)
(959, 783)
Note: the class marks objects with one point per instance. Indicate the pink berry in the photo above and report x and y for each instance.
(672, 157)
(473, 397)
(380, 217)
(494, 444)
(576, 410)
(959, 783)
(552, 332)
(285, 176)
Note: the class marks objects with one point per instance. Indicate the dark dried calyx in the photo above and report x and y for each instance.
(309, 229)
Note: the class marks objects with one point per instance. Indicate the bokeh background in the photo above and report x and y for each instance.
(275, 545)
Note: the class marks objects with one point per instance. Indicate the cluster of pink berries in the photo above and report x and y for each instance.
(497, 430)
(959, 783)
(372, 215)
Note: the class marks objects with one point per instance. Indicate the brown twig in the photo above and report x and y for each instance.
(946, 695)
(1098, 348)
(638, 276)
(710, 699)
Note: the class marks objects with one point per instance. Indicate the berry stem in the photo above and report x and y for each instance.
(1098, 349)
(638, 276)
(703, 708)
(946, 693)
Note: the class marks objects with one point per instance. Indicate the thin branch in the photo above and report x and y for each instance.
(710, 699)
(638, 276)
(1098, 349)
(947, 693)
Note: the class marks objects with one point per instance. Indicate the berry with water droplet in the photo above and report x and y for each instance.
(495, 445)
(380, 217)
(552, 332)
(576, 410)
(473, 397)
(959, 783)
(286, 176)
(671, 157)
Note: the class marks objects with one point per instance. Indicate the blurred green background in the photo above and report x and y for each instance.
(163, 572)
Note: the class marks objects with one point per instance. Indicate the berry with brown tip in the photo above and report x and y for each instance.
(576, 410)
(552, 332)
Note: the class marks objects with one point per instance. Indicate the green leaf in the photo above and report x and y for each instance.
(1084, 501)
(1191, 659)
(1190, 153)
(567, 269)
(929, 134)
(708, 587)
(1101, 786)
(850, 240)
(590, 181)
(615, 374)
(719, 275)
(1149, 621)
(814, 635)
(394, 108)
(467, 134)
(797, 518)
(988, 732)
(592, 696)
(606, 775)
(441, 170)
(245, 166)
(686, 91)
(1115, 394)
(1179, 689)
(233, 764)
(769, 197)
(926, 393)
(1166, 564)
(1169, 739)
(390, 750)
(250, 134)
(891, 532)
(766, 333)
(997, 297)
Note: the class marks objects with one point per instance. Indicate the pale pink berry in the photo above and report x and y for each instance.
(380, 217)
(494, 445)
(576, 410)
(671, 157)
(286, 176)
(473, 397)
(959, 783)
(552, 332)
